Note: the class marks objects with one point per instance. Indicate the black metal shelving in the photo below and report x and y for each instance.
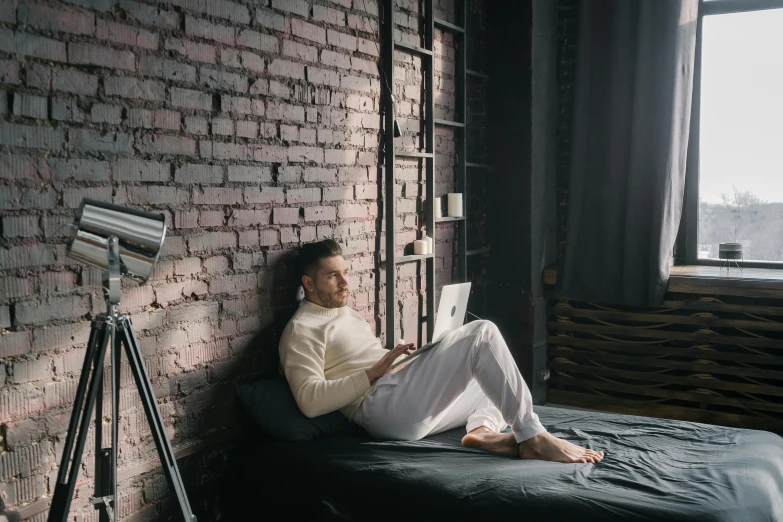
(426, 53)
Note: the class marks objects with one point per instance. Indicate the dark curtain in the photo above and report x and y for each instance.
(632, 105)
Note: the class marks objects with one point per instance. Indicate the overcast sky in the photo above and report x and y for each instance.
(742, 105)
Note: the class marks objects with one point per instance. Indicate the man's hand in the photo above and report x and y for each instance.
(382, 366)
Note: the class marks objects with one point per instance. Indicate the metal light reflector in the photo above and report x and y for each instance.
(140, 235)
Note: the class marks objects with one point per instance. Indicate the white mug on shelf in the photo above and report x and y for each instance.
(454, 204)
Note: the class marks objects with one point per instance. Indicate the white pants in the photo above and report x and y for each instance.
(469, 379)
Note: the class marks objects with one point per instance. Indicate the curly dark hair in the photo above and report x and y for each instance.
(310, 255)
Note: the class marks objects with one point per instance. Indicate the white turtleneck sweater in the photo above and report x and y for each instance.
(324, 353)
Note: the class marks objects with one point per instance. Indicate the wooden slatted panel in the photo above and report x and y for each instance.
(704, 319)
(712, 352)
(646, 333)
(704, 364)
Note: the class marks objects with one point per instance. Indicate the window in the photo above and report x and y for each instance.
(734, 190)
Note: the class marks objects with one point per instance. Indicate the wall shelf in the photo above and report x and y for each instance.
(413, 49)
(410, 154)
(447, 26)
(478, 166)
(477, 74)
(410, 259)
(449, 123)
(460, 32)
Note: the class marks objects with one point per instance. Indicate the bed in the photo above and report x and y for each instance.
(654, 470)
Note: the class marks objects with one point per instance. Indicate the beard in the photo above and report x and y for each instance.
(332, 300)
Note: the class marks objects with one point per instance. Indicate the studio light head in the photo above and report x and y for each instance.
(121, 241)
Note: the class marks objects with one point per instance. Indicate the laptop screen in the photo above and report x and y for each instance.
(451, 309)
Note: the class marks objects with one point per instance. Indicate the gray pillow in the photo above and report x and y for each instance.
(272, 406)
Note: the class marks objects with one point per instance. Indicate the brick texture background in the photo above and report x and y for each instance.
(254, 127)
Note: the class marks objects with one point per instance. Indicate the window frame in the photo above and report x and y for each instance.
(686, 245)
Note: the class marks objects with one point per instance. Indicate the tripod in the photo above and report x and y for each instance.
(115, 329)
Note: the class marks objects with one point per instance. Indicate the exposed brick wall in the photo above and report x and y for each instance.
(253, 126)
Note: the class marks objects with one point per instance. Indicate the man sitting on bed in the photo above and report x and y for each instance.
(333, 361)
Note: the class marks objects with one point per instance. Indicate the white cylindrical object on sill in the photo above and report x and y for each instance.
(419, 247)
(428, 239)
(399, 341)
(438, 212)
(454, 204)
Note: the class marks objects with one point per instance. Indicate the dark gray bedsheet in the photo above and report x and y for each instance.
(654, 469)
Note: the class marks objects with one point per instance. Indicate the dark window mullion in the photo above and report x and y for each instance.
(713, 7)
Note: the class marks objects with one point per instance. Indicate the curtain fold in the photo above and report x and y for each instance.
(632, 108)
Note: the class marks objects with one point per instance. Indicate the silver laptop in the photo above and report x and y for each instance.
(451, 315)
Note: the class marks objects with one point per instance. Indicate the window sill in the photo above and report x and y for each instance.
(750, 282)
(733, 274)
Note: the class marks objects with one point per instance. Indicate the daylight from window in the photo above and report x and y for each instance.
(741, 135)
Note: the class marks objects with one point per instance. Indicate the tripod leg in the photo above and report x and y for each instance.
(81, 389)
(167, 460)
(116, 362)
(105, 470)
(102, 461)
(106, 458)
(96, 351)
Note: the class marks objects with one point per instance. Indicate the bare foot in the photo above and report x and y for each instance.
(548, 447)
(484, 439)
